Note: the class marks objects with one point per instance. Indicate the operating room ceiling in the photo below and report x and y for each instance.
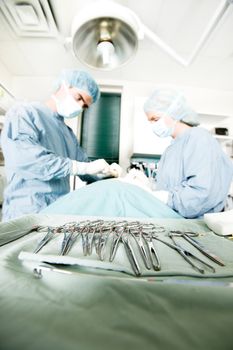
(179, 23)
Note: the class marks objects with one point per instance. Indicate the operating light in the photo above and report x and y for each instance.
(105, 35)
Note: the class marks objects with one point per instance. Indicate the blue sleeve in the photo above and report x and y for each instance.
(203, 186)
(23, 151)
(80, 154)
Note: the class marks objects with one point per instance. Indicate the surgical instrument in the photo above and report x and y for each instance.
(71, 232)
(93, 228)
(68, 241)
(117, 232)
(148, 231)
(81, 228)
(101, 237)
(102, 244)
(85, 240)
(131, 256)
(105, 231)
(115, 243)
(188, 237)
(49, 235)
(135, 230)
(155, 261)
(37, 271)
(67, 237)
(140, 243)
(191, 255)
(187, 255)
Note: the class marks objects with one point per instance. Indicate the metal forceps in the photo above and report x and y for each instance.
(188, 236)
(103, 237)
(83, 229)
(117, 231)
(68, 241)
(65, 243)
(130, 254)
(93, 227)
(49, 235)
(70, 236)
(141, 241)
(187, 255)
(148, 232)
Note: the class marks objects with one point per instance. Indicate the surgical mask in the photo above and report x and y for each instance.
(67, 107)
(160, 129)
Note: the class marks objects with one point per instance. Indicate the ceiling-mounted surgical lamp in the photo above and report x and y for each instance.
(105, 35)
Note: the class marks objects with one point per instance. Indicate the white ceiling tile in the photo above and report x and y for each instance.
(220, 43)
(5, 31)
(16, 62)
(65, 11)
(179, 23)
(46, 56)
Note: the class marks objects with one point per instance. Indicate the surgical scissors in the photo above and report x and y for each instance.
(188, 237)
(187, 255)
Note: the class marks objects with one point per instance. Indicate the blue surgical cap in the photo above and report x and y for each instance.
(172, 103)
(79, 79)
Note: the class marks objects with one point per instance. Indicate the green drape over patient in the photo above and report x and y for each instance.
(110, 198)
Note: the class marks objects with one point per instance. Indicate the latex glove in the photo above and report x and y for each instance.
(137, 177)
(115, 170)
(161, 195)
(90, 168)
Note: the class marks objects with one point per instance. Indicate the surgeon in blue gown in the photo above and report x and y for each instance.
(41, 151)
(194, 174)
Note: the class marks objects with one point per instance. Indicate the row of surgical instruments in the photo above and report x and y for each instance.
(106, 236)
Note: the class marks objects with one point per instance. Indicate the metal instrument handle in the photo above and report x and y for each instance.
(131, 257)
(154, 256)
(204, 251)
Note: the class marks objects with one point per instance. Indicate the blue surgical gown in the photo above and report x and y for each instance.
(38, 149)
(196, 173)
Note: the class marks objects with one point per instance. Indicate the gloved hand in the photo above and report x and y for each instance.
(115, 170)
(161, 195)
(137, 177)
(90, 168)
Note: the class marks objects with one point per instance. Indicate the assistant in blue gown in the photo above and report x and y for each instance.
(196, 173)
